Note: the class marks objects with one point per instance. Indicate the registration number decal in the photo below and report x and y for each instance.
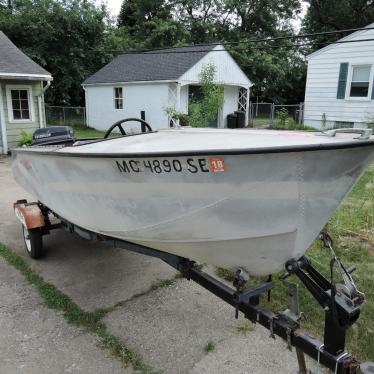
(217, 164)
(158, 166)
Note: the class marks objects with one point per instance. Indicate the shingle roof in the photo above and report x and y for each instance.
(14, 61)
(165, 64)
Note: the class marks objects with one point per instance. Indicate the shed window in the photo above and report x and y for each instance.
(20, 104)
(360, 81)
(118, 98)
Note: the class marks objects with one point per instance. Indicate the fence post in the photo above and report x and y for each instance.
(63, 114)
(272, 110)
(301, 113)
(84, 117)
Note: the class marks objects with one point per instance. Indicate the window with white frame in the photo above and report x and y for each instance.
(118, 98)
(360, 81)
(19, 104)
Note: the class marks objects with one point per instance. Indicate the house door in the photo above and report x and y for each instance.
(195, 94)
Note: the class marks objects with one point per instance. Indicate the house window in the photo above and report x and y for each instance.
(20, 106)
(360, 81)
(118, 98)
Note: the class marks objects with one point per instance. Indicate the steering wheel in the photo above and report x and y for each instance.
(122, 131)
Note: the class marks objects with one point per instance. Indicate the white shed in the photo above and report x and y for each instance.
(154, 80)
(339, 88)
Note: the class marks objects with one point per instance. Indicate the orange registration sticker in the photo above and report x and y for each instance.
(217, 164)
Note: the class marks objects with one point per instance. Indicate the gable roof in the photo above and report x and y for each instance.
(346, 38)
(14, 63)
(157, 65)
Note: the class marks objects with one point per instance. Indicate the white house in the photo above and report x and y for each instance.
(22, 86)
(155, 80)
(339, 87)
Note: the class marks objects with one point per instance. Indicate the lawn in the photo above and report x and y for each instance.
(82, 132)
(352, 228)
(87, 132)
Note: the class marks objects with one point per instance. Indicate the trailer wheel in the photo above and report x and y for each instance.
(33, 242)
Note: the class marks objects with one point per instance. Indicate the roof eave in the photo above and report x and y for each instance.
(129, 82)
(43, 77)
(333, 45)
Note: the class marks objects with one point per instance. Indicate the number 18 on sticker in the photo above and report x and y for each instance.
(217, 164)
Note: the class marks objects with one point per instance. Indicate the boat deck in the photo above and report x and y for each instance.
(184, 141)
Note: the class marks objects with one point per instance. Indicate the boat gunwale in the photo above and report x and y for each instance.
(213, 152)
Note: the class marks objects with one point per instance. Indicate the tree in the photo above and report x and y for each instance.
(331, 15)
(66, 37)
(205, 110)
(150, 23)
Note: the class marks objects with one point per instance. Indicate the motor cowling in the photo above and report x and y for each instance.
(54, 135)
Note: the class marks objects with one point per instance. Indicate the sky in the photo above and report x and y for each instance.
(114, 7)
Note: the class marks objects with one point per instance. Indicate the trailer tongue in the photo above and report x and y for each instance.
(341, 301)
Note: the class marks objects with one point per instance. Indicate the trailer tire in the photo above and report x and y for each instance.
(33, 242)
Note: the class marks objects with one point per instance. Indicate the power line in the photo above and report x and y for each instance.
(258, 40)
(189, 49)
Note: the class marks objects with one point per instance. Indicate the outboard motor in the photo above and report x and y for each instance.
(63, 135)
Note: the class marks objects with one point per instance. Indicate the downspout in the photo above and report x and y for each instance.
(41, 104)
(3, 123)
(86, 111)
(178, 108)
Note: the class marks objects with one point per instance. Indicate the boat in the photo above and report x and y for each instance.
(234, 198)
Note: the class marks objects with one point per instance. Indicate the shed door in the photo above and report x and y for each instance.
(195, 93)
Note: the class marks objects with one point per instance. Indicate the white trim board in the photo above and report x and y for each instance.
(32, 76)
(2, 123)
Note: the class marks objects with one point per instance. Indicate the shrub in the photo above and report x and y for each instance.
(281, 118)
(26, 139)
(204, 111)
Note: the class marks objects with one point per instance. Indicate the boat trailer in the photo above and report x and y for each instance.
(341, 302)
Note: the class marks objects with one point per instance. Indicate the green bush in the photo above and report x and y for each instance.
(282, 118)
(204, 111)
(26, 139)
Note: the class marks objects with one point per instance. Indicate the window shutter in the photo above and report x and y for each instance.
(342, 84)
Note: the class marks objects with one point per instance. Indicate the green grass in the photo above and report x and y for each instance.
(261, 122)
(352, 228)
(210, 346)
(82, 132)
(86, 132)
(225, 274)
(90, 322)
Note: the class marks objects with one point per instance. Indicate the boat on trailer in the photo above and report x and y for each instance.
(250, 199)
(247, 199)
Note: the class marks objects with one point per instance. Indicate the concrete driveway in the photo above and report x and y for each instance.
(168, 326)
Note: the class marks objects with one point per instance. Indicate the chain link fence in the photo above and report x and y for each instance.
(270, 115)
(65, 116)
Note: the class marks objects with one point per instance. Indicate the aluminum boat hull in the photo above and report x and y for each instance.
(257, 213)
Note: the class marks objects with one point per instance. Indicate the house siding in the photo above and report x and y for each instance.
(152, 98)
(228, 71)
(230, 103)
(323, 79)
(14, 130)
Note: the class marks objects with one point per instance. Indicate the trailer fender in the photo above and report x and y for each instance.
(29, 215)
